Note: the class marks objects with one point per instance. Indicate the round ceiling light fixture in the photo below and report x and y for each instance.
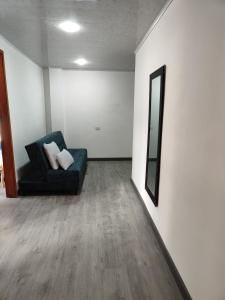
(81, 61)
(69, 26)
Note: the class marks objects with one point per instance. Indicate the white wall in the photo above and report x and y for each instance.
(190, 40)
(84, 100)
(26, 100)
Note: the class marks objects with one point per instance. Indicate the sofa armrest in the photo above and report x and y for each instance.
(62, 175)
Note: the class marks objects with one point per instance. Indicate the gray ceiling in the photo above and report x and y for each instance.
(111, 30)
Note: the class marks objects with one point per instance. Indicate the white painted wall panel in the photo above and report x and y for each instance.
(94, 99)
(26, 100)
(189, 40)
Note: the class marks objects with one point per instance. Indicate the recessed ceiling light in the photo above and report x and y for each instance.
(81, 61)
(69, 26)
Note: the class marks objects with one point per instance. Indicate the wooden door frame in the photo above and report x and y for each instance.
(6, 135)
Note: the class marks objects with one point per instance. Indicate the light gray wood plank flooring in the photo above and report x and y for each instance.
(96, 246)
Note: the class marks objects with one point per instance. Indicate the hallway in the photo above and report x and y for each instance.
(96, 246)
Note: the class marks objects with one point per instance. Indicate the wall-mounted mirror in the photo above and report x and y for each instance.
(155, 123)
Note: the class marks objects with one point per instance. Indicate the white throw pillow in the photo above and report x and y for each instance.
(51, 151)
(65, 159)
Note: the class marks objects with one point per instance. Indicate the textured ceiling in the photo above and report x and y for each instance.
(111, 30)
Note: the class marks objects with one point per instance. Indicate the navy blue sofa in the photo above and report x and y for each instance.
(41, 179)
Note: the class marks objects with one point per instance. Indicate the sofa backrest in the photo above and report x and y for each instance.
(36, 152)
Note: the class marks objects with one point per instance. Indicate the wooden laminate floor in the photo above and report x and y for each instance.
(96, 246)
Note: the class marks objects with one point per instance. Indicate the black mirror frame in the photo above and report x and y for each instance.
(160, 72)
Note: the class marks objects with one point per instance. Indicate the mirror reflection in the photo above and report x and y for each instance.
(154, 128)
(157, 80)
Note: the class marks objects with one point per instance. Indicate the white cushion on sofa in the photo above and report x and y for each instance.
(65, 159)
(51, 151)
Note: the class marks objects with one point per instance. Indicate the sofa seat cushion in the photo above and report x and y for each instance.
(75, 172)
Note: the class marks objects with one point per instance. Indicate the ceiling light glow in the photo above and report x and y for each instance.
(81, 61)
(69, 26)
